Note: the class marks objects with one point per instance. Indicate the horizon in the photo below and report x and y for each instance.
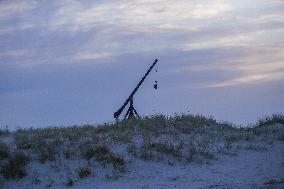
(75, 62)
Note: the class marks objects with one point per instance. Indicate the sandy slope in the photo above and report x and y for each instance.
(248, 169)
(181, 152)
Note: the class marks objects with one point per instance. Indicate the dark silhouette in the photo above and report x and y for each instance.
(156, 85)
(131, 112)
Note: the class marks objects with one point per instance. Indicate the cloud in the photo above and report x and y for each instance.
(16, 53)
(117, 27)
(73, 31)
(260, 64)
(249, 79)
(61, 56)
(91, 55)
(260, 19)
(75, 16)
(11, 29)
(14, 8)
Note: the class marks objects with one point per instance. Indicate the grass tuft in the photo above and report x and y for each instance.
(274, 119)
(83, 172)
(15, 167)
(4, 151)
(69, 182)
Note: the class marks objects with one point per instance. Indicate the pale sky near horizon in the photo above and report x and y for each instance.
(74, 62)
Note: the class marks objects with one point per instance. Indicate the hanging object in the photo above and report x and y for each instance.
(156, 85)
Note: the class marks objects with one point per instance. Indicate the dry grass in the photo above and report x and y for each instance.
(187, 138)
(14, 168)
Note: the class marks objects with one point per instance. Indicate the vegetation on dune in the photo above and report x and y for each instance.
(4, 151)
(69, 182)
(168, 135)
(15, 167)
(83, 172)
(181, 138)
(270, 120)
(4, 132)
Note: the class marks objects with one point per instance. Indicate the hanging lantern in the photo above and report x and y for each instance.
(156, 85)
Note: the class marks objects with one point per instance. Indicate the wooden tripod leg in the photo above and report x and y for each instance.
(127, 113)
(131, 112)
(135, 112)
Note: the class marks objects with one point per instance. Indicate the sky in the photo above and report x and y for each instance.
(75, 62)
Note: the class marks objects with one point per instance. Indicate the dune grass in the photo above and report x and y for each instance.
(182, 138)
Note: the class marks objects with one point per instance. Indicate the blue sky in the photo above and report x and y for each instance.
(74, 62)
